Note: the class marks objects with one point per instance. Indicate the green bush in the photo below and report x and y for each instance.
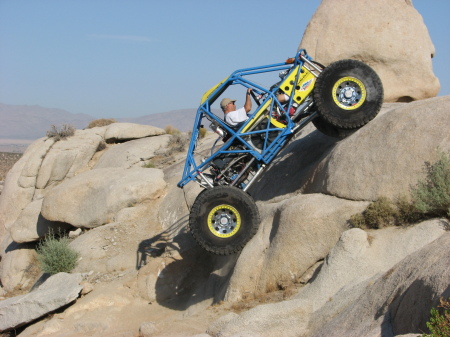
(407, 212)
(55, 255)
(439, 324)
(431, 196)
(57, 134)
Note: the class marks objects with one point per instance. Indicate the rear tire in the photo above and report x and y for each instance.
(223, 219)
(330, 130)
(348, 94)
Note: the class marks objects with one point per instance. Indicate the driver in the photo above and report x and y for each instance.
(236, 117)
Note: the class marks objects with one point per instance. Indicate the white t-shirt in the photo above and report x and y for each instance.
(236, 117)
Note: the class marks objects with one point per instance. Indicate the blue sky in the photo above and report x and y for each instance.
(128, 58)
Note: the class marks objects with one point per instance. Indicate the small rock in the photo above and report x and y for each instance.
(87, 287)
(74, 234)
(147, 329)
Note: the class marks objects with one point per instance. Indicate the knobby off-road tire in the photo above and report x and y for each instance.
(223, 219)
(348, 94)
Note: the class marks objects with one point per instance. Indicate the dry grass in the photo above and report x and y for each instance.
(100, 122)
(59, 133)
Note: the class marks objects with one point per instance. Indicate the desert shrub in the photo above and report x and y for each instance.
(407, 212)
(202, 133)
(55, 255)
(63, 132)
(100, 122)
(357, 220)
(431, 195)
(177, 143)
(439, 323)
(380, 213)
(170, 130)
(429, 198)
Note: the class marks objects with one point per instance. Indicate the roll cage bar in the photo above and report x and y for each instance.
(239, 141)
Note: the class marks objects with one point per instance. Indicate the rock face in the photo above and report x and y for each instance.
(101, 193)
(146, 274)
(295, 234)
(392, 39)
(391, 307)
(394, 167)
(133, 153)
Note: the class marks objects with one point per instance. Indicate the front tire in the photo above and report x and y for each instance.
(223, 219)
(348, 94)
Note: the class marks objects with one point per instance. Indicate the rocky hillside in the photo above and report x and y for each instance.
(20, 122)
(305, 272)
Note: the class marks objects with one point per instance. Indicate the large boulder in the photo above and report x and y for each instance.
(31, 225)
(92, 198)
(19, 188)
(396, 302)
(56, 292)
(66, 157)
(359, 255)
(390, 36)
(18, 265)
(387, 156)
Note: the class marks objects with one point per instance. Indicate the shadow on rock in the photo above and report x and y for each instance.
(157, 245)
(289, 172)
(177, 273)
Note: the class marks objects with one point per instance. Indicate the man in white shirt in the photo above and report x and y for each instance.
(235, 117)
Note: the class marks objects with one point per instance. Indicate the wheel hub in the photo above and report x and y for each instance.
(349, 93)
(224, 221)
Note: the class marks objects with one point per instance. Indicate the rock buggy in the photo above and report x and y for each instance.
(337, 99)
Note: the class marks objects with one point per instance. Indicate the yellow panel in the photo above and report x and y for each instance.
(210, 91)
(263, 109)
(277, 124)
(304, 85)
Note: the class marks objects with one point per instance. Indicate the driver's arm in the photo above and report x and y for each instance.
(248, 101)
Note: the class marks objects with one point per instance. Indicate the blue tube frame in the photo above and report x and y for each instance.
(192, 169)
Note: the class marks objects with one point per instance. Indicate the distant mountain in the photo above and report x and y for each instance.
(33, 121)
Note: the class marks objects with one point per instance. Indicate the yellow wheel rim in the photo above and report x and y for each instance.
(349, 93)
(224, 221)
